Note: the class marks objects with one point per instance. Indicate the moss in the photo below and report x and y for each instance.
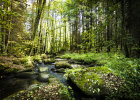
(62, 64)
(91, 80)
(11, 70)
(100, 70)
(49, 61)
(23, 60)
(40, 61)
(54, 80)
(37, 58)
(2, 65)
(29, 64)
(17, 61)
(64, 93)
(43, 56)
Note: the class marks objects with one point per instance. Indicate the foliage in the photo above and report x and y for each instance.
(64, 93)
(86, 58)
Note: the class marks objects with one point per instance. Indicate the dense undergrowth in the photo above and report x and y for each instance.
(126, 68)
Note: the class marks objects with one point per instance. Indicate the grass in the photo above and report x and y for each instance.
(98, 58)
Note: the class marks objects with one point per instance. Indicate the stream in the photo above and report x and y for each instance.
(25, 80)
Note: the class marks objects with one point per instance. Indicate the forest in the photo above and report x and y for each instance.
(69, 49)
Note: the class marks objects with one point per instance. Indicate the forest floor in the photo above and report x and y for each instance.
(113, 69)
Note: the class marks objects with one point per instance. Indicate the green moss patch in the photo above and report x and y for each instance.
(62, 64)
(49, 61)
(44, 56)
(37, 58)
(94, 81)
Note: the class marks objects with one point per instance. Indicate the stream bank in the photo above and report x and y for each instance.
(57, 80)
(42, 80)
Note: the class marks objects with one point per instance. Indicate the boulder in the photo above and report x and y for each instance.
(49, 61)
(54, 80)
(94, 81)
(43, 69)
(62, 64)
(61, 70)
(43, 77)
(43, 56)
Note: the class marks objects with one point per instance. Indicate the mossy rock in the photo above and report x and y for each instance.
(54, 80)
(43, 56)
(4, 69)
(37, 58)
(40, 61)
(43, 77)
(17, 61)
(62, 64)
(43, 69)
(88, 82)
(29, 64)
(60, 70)
(23, 60)
(49, 61)
(2, 65)
(92, 81)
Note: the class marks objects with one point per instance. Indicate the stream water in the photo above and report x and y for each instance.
(24, 80)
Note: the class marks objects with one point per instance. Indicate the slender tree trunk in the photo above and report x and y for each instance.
(39, 12)
(108, 27)
(123, 30)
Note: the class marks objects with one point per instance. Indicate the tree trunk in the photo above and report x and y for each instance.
(124, 29)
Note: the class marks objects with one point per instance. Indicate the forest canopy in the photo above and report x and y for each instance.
(30, 27)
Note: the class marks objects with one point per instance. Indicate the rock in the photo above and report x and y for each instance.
(37, 58)
(43, 77)
(71, 61)
(40, 61)
(62, 64)
(61, 70)
(43, 69)
(59, 59)
(49, 61)
(16, 61)
(43, 56)
(76, 65)
(92, 81)
(54, 80)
